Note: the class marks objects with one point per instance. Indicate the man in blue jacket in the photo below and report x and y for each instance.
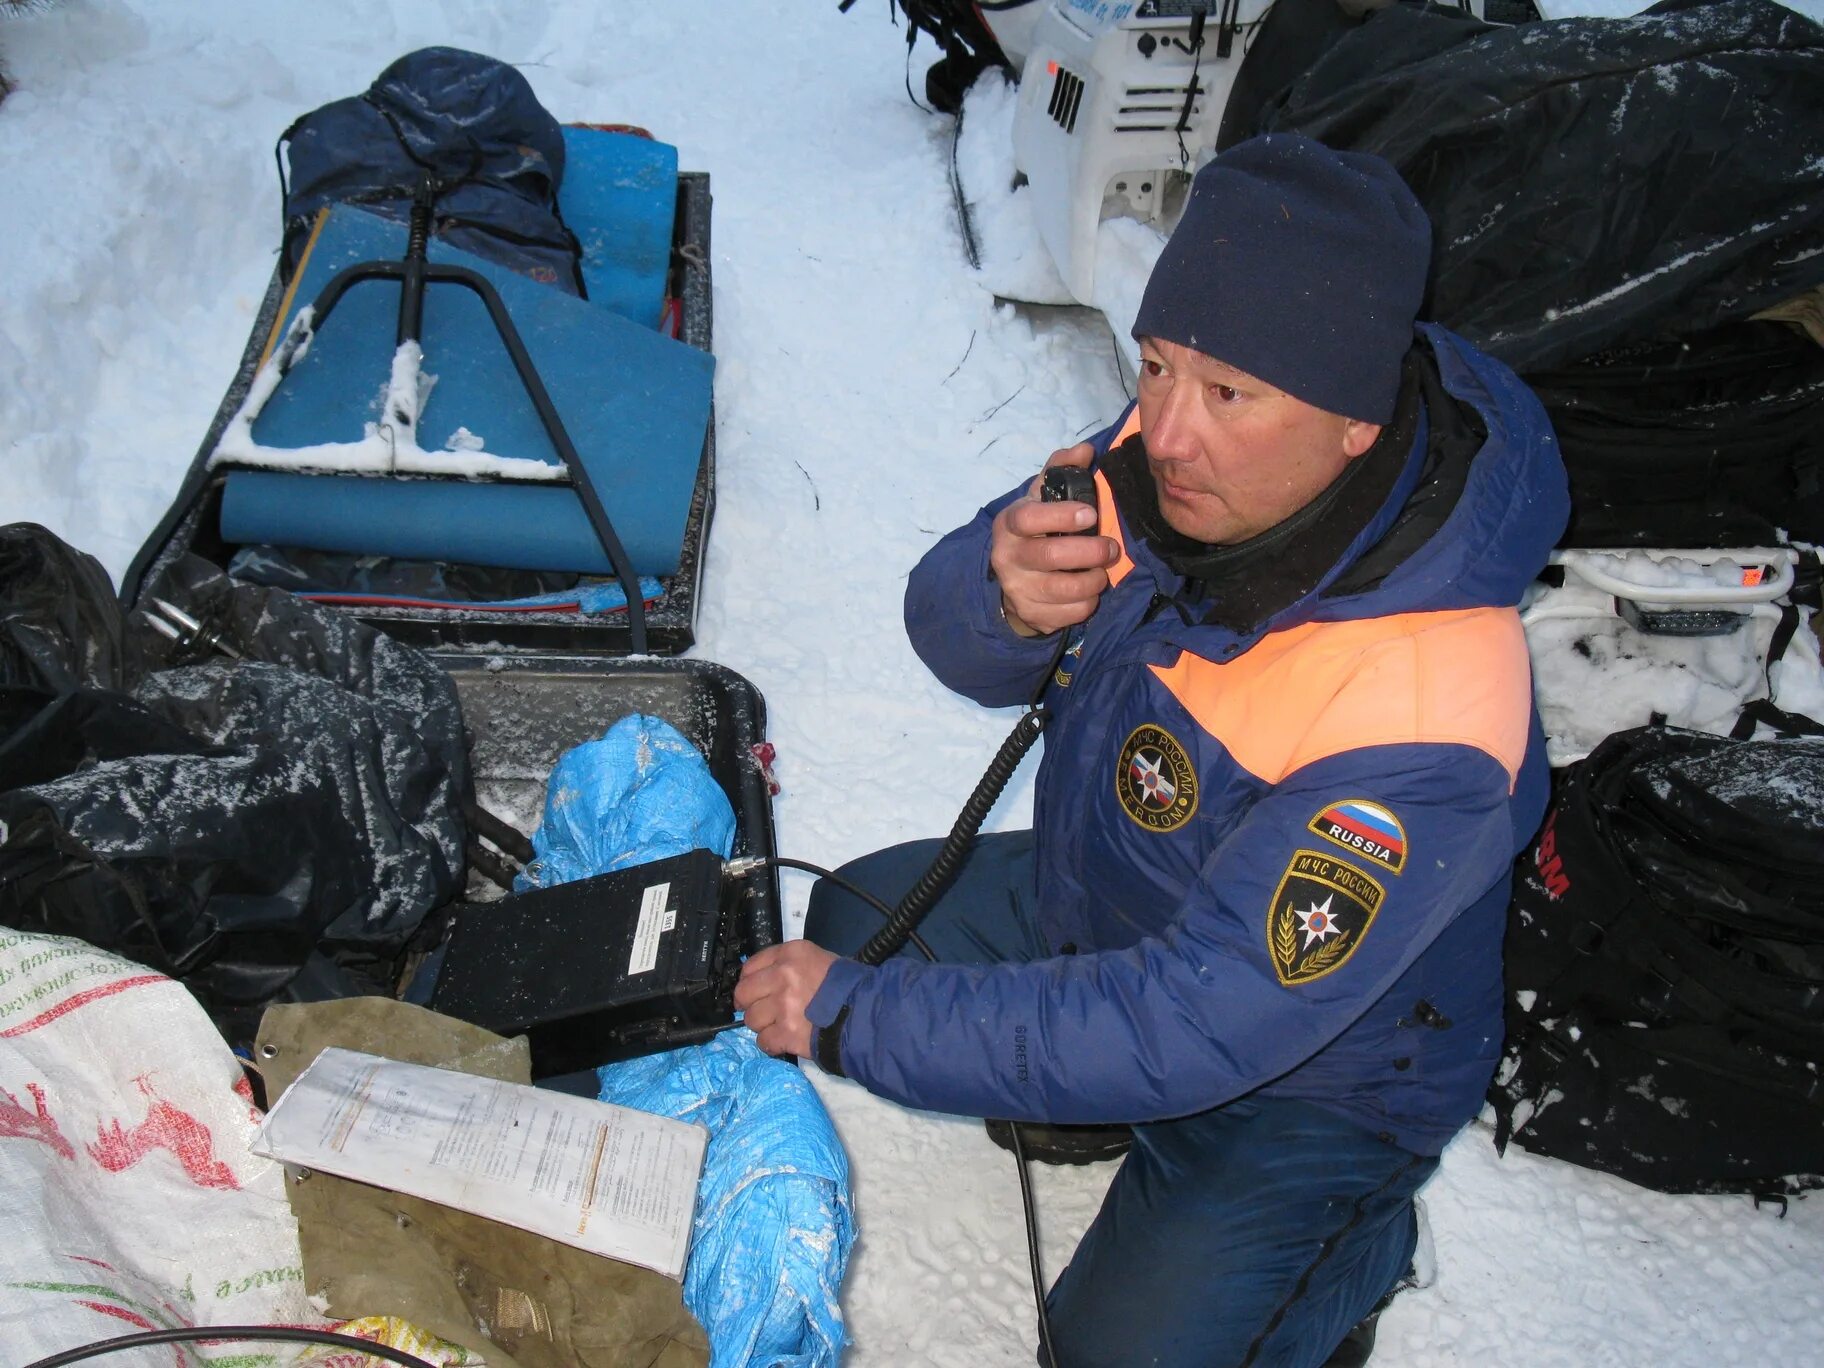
(1292, 754)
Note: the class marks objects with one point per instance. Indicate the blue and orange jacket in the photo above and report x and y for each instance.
(1281, 857)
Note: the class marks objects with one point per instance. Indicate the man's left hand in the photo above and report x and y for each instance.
(776, 985)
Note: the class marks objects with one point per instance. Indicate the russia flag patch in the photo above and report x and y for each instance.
(1366, 828)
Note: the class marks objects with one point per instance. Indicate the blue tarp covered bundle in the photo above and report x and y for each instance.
(774, 1220)
(634, 402)
(643, 792)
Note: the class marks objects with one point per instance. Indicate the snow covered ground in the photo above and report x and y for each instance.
(870, 395)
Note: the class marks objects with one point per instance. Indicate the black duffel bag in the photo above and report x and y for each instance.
(1665, 967)
(1715, 439)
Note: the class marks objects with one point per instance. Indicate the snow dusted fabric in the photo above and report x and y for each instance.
(774, 1218)
(128, 1198)
(1663, 952)
(470, 121)
(1700, 121)
(269, 828)
(643, 792)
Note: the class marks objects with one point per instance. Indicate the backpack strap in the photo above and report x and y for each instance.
(286, 229)
(1807, 591)
(1786, 725)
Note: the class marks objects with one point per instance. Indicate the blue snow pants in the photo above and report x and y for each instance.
(1257, 1233)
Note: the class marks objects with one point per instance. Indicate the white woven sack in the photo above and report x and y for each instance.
(128, 1197)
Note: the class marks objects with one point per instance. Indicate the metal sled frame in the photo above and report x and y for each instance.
(414, 274)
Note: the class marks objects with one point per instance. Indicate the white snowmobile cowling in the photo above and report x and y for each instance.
(1120, 104)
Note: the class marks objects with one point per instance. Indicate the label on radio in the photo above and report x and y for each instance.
(655, 921)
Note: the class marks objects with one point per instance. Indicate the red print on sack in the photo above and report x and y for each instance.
(168, 1128)
(17, 1123)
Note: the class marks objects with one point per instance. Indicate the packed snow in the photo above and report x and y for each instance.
(870, 393)
(387, 447)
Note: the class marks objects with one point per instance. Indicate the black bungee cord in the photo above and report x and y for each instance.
(196, 1334)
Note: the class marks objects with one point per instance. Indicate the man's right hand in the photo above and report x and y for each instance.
(1049, 580)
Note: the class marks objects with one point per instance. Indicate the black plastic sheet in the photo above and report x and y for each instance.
(273, 828)
(1592, 182)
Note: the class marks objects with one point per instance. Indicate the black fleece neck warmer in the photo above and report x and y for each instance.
(1242, 585)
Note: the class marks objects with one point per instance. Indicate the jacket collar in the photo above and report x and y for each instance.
(1245, 586)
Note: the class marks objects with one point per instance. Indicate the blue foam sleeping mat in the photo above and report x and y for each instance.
(620, 196)
(636, 403)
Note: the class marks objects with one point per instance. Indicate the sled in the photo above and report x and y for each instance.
(590, 618)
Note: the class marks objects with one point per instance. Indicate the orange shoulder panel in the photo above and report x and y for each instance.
(1109, 525)
(1318, 690)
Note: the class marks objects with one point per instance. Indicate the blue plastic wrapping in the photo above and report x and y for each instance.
(774, 1222)
(643, 792)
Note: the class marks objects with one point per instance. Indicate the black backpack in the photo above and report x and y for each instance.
(1665, 967)
(469, 123)
(1716, 439)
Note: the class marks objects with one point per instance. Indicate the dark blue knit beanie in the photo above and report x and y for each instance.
(1302, 266)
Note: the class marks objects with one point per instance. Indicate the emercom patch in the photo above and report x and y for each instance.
(1154, 779)
(1364, 827)
(1319, 914)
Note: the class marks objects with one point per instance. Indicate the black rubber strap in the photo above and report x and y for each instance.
(1785, 724)
(1765, 709)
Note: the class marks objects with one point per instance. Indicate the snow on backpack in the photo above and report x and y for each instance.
(1665, 967)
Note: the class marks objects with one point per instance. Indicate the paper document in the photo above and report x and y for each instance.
(608, 1179)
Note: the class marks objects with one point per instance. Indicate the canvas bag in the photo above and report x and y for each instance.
(471, 124)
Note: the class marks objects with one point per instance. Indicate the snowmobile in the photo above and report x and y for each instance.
(1119, 104)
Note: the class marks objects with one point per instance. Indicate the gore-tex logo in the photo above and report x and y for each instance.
(1551, 864)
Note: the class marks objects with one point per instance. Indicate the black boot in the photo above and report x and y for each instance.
(1357, 1345)
(1063, 1144)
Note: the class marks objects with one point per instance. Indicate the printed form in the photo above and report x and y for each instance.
(607, 1179)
